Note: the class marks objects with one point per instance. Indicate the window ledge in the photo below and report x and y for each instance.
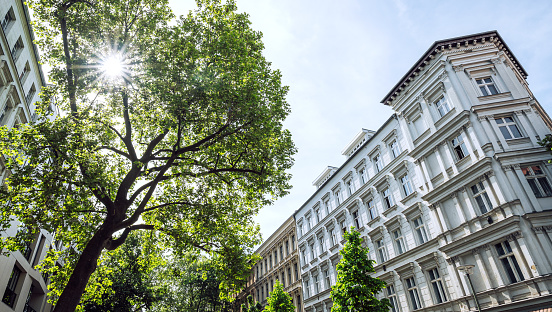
(360, 229)
(324, 253)
(518, 141)
(463, 161)
(373, 221)
(334, 247)
(343, 241)
(487, 98)
(390, 210)
(421, 137)
(443, 119)
(409, 197)
(313, 261)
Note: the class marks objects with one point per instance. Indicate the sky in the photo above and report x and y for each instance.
(340, 58)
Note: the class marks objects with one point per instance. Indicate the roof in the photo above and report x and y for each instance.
(441, 45)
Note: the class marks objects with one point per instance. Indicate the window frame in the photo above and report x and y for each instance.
(372, 210)
(536, 181)
(8, 20)
(407, 186)
(398, 241)
(388, 200)
(481, 198)
(506, 126)
(413, 293)
(437, 285)
(459, 147)
(509, 262)
(381, 252)
(392, 297)
(420, 230)
(483, 87)
(378, 162)
(440, 103)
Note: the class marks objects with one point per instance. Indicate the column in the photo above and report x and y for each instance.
(469, 145)
(481, 267)
(466, 200)
(525, 202)
(494, 126)
(420, 176)
(543, 243)
(441, 163)
(494, 266)
(426, 114)
(536, 120)
(443, 221)
(490, 133)
(474, 141)
(426, 174)
(495, 188)
(460, 212)
(526, 125)
(523, 255)
(505, 75)
(450, 158)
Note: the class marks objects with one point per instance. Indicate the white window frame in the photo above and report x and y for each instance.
(392, 297)
(318, 215)
(437, 285)
(381, 251)
(509, 262)
(337, 197)
(350, 187)
(398, 238)
(327, 277)
(420, 229)
(487, 87)
(372, 209)
(387, 198)
(316, 284)
(442, 106)
(406, 185)
(321, 243)
(481, 198)
(459, 148)
(362, 176)
(413, 294)
(8, 20)
(537, 181)
(357, 220)
(333, 237)
(506, 126)
(378, 163)
(17, 48)
(395, 148)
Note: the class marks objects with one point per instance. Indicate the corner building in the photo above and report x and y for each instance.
(22, 287)
(279, 261)
(454, 177)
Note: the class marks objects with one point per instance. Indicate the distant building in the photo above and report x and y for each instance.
(22, 287)
(455, 177)
(279, 262)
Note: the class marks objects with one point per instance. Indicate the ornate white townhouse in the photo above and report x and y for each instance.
(22, 288)
(455, 181)
(279, 261)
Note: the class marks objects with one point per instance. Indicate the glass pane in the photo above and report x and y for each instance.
(484, 90)
(508, 269)
(492, 89)
(545, 186)
(431, 275)
(499, 121)
(534, 187)
(508, 119)
(537, 170)
(474, 189)
(488, 80)
(516, 266)
(505, 132)
(479, 81)
(526, 171)
(515, 131)
(481, 204)
(437, 294)
(499, 249)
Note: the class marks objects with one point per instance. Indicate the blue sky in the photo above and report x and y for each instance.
(340, 58)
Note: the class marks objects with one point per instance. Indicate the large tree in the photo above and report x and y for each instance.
(279, 300)
(355, 290)
(188, 144)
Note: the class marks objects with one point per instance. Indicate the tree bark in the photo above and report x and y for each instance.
(86, 265)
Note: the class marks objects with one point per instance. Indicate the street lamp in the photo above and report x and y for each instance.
(468, 270)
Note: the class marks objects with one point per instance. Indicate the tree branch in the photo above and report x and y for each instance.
(115, 150)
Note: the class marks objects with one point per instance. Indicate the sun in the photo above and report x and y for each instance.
(113, 66)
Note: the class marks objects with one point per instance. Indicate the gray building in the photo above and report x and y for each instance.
(454, 180)
(22, 287)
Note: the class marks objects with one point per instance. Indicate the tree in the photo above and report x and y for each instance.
(130, 276)
(188, 144)
(191, 283)
(279, 300)
(355, 289)
(251, 306)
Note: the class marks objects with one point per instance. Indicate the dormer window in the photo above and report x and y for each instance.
(487, 86)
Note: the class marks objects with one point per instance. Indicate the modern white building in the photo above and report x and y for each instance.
(22, 287)
(454, 179)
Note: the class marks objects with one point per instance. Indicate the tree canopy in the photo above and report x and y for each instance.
(355, 290)
(187, 143)
(279, 300)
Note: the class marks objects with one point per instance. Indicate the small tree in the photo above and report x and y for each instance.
(355, 289)
(254, 306)
(279, 300)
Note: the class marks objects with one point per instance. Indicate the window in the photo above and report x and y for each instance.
(356, 219)
(9, 294)
(266, 266)
(350, 190)
(258, 297)
(392, 296)
(283, 280)
(442, 106)
(372, 209)
(312, 251)
(487, 86)
(296, 271)
(287, 248)
(300, 229)
(289, 275)
(395, 149)
(262, 292)
(387, 198)
(337, 195)
(378, 163)
(304, 255)
(413, 293)
(307, 292)
(382, 255)
(17, 48)
(271, 286)
(275, 257)
(270, 260)
(508, 127)
(509, 262)
(459, 147)
(437, 285)
(281, 253)
(399, 241)
(327, 206)
(343, 228)
(8, 18)
(406, 185)
(333, 238)
(25, 73)
(316, 285)
(481, 197)
(318, 215)
(321, 243)
(361, 176)
(419, 228)
(298, 303)
(293, 242)
(537, 180)
(309, 223)
(327, 277)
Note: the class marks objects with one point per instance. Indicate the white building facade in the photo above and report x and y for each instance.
(455, 177)
(22, 287)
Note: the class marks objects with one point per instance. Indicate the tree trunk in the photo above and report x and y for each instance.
(86, 265)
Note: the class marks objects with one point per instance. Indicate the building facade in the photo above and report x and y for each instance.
(454, 180)
(279, 261)
(22, 287)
